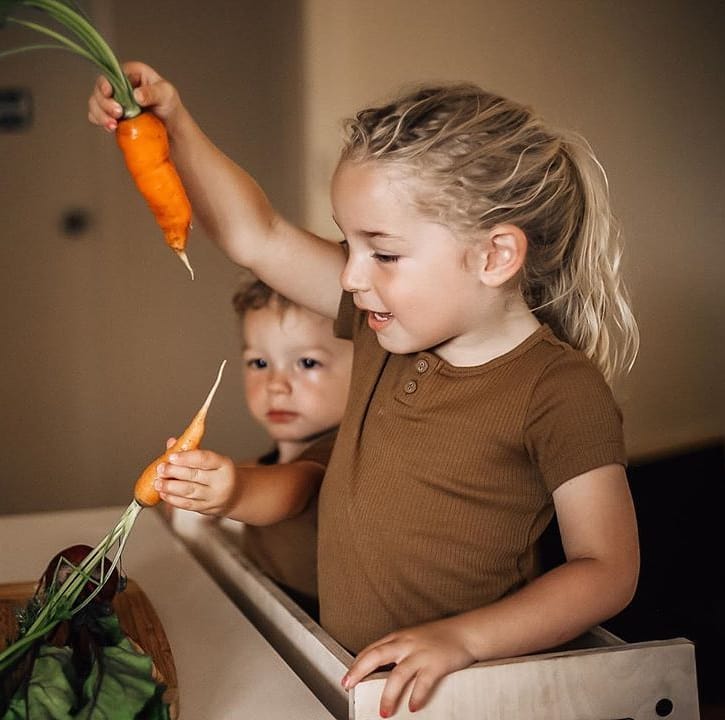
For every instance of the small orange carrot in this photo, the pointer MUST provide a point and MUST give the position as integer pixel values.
(145, 146)
(144, 492)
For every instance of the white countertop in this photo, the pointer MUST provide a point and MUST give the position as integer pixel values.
(225, 668)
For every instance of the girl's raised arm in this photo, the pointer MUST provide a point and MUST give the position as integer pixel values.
(228, 203)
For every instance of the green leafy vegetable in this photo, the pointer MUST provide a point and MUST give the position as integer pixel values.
(119, 685)
(48, 695)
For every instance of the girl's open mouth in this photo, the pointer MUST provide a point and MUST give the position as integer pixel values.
(378, 320)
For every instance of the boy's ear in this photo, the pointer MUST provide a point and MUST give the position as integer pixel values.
(503, 252)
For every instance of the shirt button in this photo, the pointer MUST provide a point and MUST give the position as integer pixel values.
(410, 387)
(422, 365)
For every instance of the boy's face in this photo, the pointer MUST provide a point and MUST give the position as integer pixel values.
(296, 373)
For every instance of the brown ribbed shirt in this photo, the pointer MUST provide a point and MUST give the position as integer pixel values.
(440, 482)
(287, 550)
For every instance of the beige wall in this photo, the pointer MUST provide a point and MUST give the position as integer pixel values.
(641, 81)
(107, 347)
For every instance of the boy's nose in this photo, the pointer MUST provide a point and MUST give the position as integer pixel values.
(278, 382)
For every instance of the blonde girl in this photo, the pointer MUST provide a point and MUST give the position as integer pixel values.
(481, 287)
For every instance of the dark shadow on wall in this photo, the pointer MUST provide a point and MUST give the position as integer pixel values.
(680, 503)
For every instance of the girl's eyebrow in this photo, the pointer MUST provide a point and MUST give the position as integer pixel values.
(370, 234)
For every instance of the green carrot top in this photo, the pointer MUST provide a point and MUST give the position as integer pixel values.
(80, 37)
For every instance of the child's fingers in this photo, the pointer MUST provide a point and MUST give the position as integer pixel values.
(398, 679)
(382, 653)
(139, 73)
(423, 686)
(197, 459)
(159, 95)
(103, 88)
(178, 501)
(186, 473)
(367, 661)
(103, 110)
(180, 488)
(151, 90)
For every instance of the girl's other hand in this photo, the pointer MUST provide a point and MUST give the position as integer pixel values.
(423, 655)
(152, 91)
(198, 480)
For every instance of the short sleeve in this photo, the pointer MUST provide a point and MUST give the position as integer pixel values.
(344, 323)
(319, 452)
(573, 423)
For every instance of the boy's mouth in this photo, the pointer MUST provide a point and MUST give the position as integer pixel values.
(281, 416)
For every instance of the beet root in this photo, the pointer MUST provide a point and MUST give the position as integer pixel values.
(60, 567)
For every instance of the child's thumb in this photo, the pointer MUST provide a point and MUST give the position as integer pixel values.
(141, 96)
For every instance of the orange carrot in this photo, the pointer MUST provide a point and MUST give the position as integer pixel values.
(142, 136)
(144, 492)
(145, 146)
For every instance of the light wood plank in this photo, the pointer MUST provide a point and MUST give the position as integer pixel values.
(613, 683)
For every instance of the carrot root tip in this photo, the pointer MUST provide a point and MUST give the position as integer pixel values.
(185, 260)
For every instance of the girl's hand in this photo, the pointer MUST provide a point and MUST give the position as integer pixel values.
(422, 656)
(151, 91)
(198, 480)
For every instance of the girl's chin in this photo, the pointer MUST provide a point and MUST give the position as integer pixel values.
(399, 346)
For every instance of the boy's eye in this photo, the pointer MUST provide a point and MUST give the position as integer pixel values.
(257, 363)
(386, 258)
(308, 363)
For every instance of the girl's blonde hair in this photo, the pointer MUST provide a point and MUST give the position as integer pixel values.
(480, 160)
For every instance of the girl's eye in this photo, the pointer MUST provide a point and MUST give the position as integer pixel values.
(257, 363)
(309, 363)
(386, 258)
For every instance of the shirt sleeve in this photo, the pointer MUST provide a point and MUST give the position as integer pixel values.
(574, 423)
(320, 451)
(344, 323)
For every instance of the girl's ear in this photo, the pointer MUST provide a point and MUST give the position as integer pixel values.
(503, 251)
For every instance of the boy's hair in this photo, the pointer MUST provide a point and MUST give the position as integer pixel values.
(483, 160)
(253, 294)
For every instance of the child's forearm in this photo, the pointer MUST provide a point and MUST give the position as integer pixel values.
(223, 195)
(268, 494)
(553, 609)
(238, 216)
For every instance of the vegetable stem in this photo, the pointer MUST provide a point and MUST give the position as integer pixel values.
(60, 603)
(91, 45)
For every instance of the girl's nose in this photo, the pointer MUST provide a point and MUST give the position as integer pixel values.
(352, 277)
